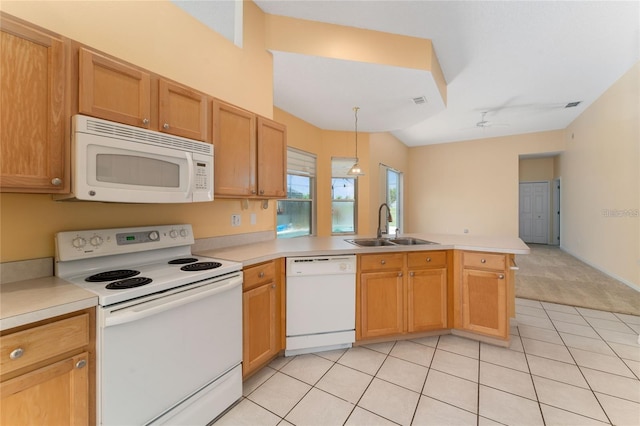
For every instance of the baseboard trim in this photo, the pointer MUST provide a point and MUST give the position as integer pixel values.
(607, 273)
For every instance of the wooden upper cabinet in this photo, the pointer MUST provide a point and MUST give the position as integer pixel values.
(272, 158)
(120, 92)
(33, 109)
(234, 139)
(113, 91)
(182, 111)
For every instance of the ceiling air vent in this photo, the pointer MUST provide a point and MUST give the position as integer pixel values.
(420, 100)
(573, 104)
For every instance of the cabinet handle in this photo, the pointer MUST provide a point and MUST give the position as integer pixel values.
(428, 259)
(16, 353)
(145, 121)
(165, 126)
(382, 262)
(262, 192)
(253, 191)
(399, 274)
(483, 260)
(273, 286)
(412, 274)
(56, 181)
(261, 275)
(501, 277)
(81, 363)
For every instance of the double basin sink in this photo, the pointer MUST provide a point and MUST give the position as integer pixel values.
(378, 242)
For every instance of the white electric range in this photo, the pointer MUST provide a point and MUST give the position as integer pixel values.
(169, 324)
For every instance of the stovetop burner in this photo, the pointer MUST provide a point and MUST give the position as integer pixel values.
(129, 283)
(118, 274)
(201, 266)
(183, 260)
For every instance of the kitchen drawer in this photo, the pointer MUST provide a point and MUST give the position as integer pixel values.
(478, 260)
(259, 274)
(427, 259)
(380, 262)
(37, 344)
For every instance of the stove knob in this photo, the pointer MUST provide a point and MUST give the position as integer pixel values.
(154, 236)
(96, 240)
(183, 233)
(173, 233)
(78, 242)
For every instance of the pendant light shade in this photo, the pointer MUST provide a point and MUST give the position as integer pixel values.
(356, 170)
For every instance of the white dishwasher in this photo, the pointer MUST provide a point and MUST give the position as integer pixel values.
(321, 303)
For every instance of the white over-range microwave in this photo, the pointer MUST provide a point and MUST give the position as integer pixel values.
(113, 162)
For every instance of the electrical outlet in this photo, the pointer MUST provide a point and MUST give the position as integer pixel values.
(235, 220)
(466, 231)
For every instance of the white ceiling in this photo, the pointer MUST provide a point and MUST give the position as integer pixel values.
(520, 61)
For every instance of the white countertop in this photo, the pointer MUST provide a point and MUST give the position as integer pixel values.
(250, 254)
(24, 302)
(28, 301)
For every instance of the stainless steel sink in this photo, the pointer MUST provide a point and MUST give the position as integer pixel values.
(371, 242)
(377, 242)
(410, 241)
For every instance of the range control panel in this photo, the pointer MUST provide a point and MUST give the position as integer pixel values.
(85, 244)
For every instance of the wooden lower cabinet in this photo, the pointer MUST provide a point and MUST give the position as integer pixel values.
(399, 293)
(262, 307)
(484, 294)
(427, 299)
(48, 372)
(53, 395)
(381, 303)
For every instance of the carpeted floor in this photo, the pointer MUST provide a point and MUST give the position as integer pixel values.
(549, 274)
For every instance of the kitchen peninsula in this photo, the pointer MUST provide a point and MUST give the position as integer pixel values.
(462, 285)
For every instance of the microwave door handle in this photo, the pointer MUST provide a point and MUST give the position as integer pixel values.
(190, 172)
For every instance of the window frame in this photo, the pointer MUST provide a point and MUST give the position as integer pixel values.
(293, 170)
(336, 162)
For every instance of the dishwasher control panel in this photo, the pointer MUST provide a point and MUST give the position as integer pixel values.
(321, 265)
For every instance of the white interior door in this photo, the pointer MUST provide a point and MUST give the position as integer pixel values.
(534, 212)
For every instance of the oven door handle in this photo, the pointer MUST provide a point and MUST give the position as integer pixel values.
(139, 312)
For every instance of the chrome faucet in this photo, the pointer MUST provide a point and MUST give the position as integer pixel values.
(389, 219)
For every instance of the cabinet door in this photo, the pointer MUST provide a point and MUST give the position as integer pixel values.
(427, 299)
(272, 158)
(381, 304)
(113, 91)
(484, 302)
(33, 110)
(260, 326)
(182, 111)
(57, 394)
(234, 138)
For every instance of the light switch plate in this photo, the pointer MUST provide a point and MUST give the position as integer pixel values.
(235, 220)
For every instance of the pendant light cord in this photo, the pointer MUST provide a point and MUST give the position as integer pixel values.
(355, 109)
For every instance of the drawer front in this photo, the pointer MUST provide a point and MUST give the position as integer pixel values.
(27, 347)
(383, 261)
(259, 274)
(495, 262)
(427, 259)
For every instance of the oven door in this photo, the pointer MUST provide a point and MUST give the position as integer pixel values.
(157, 354)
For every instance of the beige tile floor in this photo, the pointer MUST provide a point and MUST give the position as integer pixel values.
(565, 366)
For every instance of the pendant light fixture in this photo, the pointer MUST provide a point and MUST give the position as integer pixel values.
(356, 170)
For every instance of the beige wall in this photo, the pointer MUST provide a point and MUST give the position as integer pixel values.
(471, 185)
(327, 144)
(162, 38)
(536, 169)
(600, 172)
(386, 149)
